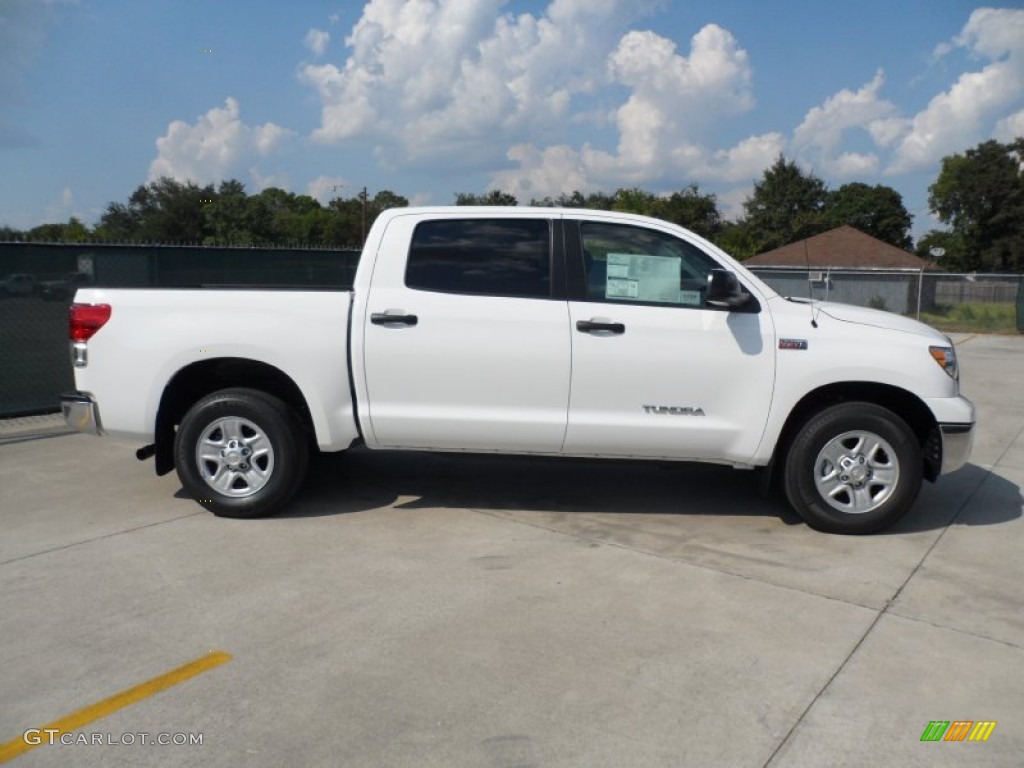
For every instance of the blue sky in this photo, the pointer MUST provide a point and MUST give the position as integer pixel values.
(433, 97)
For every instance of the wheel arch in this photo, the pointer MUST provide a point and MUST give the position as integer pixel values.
(903, 403)
(199, 379)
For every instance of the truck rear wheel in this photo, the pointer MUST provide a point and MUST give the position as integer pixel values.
(241, 453)
(854, 468)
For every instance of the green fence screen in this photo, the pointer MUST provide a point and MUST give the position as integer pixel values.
(38, 281)
(1020, 304)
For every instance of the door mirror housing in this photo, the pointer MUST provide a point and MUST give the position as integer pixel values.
(725, 291)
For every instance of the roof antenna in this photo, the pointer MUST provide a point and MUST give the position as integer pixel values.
(810, 285)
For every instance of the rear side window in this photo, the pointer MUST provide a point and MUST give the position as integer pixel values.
(486, 257)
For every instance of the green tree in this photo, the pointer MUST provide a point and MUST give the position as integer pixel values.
(945, 248)
(877, 210)
(227, 217)
(46, 233)
(74, 231)
(787, 205)
(117, 224)
(163, 211)
(737, 238)
(349, 219)
(344, 223)
(382, 201)
(494, 197)
(692, 209)
(600, 201)
(634, 200)
(980, 195)
(688, 208)
(278, 217)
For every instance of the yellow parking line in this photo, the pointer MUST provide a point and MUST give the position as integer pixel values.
(76, 720)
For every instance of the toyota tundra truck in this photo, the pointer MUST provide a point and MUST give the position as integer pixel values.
(554, 332)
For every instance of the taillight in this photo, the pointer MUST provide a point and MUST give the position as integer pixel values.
(85, 319)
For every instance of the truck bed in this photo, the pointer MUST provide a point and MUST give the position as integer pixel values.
(155, 334)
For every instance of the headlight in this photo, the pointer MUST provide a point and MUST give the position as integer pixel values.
(946, 357)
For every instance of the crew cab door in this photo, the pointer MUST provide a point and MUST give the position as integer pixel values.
(656, 372)
(466, 335)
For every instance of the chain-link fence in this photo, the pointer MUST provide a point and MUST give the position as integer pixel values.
(37, 283)
(953, 302)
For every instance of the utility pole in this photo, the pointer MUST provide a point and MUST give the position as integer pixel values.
(364, 215)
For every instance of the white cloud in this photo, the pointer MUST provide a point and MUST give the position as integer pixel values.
(326, 188)
(958, 117)
(493, 78)
(261, 181)
(542, 172)
(731, 203)
(563, 169)
(820, 136)
(316, 41)
(215, 147)
(575, 97)
(744, 162)
(503, 87)
(674, 101)
(1010, 128)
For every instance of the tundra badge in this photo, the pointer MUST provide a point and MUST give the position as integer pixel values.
(673, 410)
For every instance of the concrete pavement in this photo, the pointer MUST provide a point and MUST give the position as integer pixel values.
(426, 610)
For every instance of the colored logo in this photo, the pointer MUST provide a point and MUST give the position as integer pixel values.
(792, 343)
(958, 730)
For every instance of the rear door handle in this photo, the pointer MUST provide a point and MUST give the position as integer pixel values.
(592, 326)
(387, 318)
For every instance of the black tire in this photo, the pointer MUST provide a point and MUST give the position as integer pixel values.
(853, 468)
(253, 455)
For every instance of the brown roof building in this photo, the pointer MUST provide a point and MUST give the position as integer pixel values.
(843, 248)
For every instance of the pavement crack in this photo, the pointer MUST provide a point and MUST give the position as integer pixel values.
(959, 631)
(789, 734)
(98, 538)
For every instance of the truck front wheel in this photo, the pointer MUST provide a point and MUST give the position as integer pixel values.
(240, 453)
(853, 468)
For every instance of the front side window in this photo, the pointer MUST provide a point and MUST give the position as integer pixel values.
(487, 257)
(623, 263)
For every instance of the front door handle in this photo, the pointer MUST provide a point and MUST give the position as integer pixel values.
(387, 318)
(592, 326)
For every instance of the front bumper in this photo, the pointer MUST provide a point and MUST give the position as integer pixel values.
(81, 412)
(949, 445)
(957, 441)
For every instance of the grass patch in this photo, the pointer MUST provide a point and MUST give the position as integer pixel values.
(973, 317)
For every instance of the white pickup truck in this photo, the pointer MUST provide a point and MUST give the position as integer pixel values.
(557, 332)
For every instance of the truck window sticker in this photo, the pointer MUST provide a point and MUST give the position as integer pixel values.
(644, 277)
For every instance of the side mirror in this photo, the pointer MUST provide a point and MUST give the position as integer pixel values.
(724, 290)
